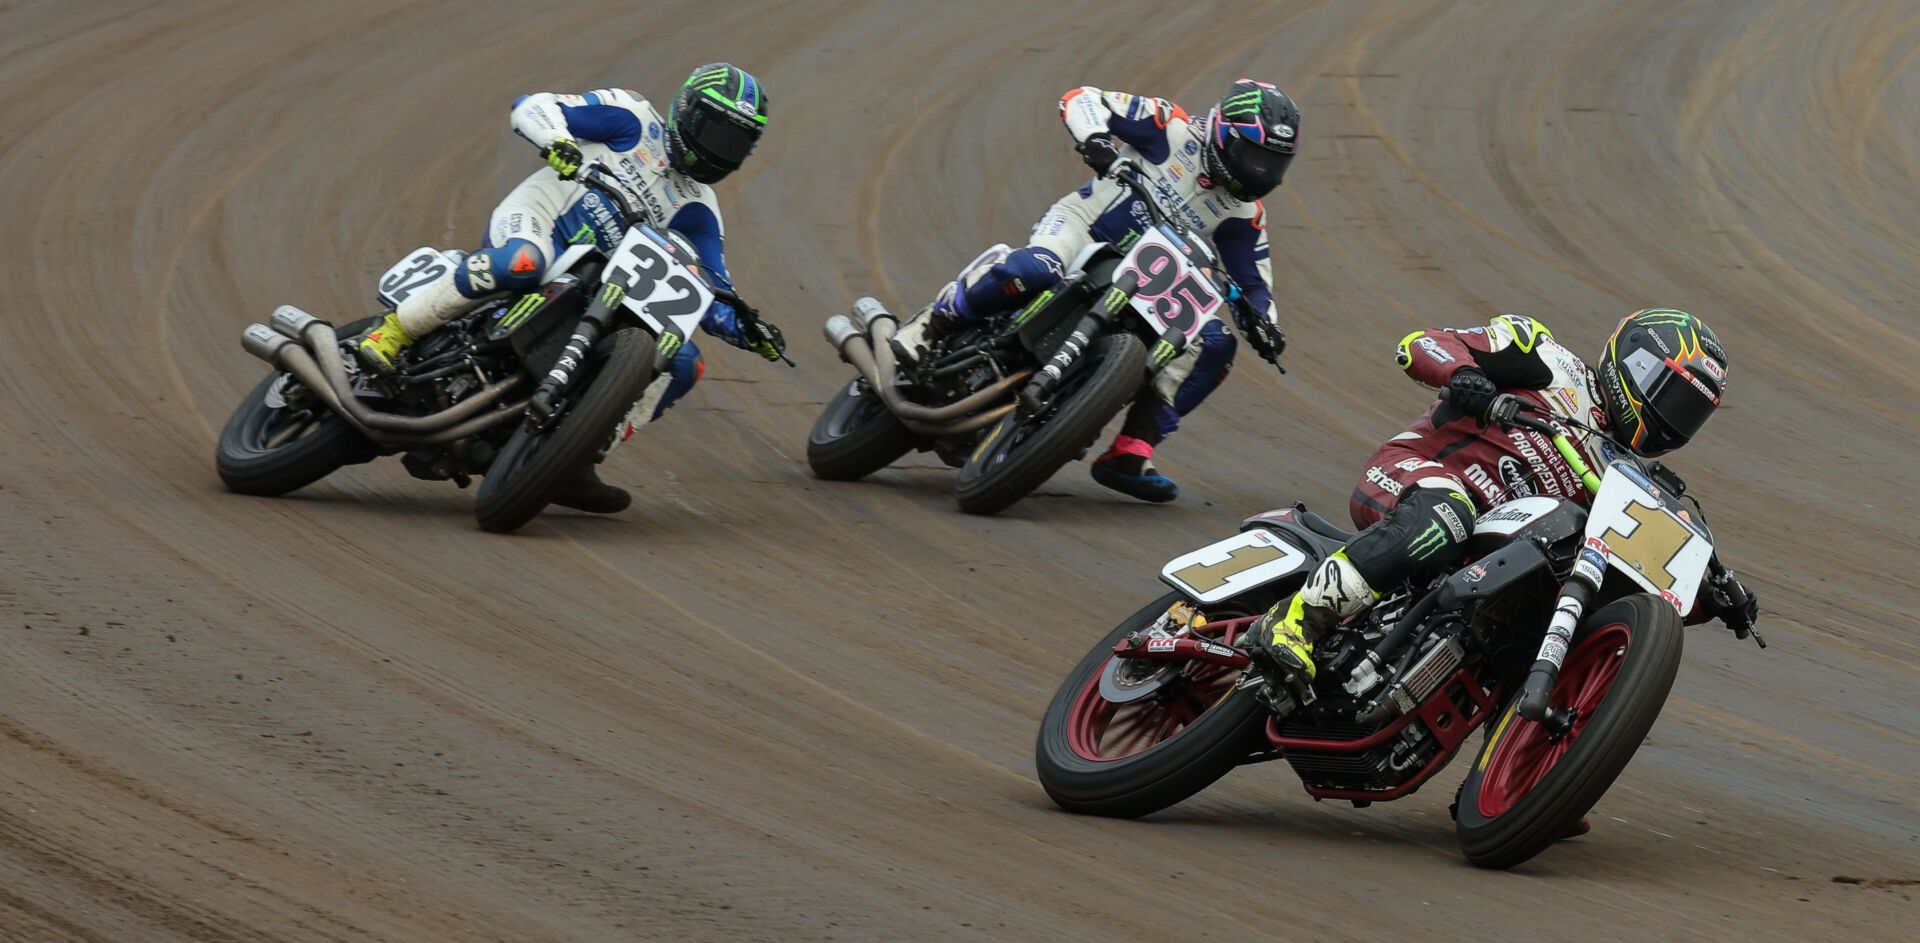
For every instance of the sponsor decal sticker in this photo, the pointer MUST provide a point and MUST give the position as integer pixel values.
(1384, 481)
(1434, 350)
(1160, 644)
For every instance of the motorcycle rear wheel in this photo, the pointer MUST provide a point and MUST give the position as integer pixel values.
(267, 451)
(1021, 452)
(532, 466)
(855, 436)
(1528, 789)
(1130, 759)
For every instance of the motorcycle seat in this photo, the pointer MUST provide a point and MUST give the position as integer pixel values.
(1324, 527)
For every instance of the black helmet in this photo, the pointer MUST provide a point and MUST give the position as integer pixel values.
(716, 119)
(1661, 376)
(1250, 139)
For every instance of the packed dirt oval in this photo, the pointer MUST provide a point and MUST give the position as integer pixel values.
(758, 705)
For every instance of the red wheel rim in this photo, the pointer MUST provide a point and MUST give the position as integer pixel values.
(1524, 753)
(1103, 731)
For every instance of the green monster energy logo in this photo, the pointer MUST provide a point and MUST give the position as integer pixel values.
(521, 311)
(585, 235)
(1127, 241)
(1162, 353)
(1030, 310)
(1115, 300)
(669, 344)
(1428, 542)
(1661, 316)
(610, 294)
(1242, 104)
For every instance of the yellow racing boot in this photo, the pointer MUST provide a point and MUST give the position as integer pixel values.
(1281, 642)
(380, 347)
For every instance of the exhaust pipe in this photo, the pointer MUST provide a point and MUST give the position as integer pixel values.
(312, 354)
(865, 347)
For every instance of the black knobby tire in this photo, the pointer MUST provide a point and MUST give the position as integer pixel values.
(856, 435)
(1012, 459)
(1508, 811)
(1185, 761)
(532, 467)
(270, 451)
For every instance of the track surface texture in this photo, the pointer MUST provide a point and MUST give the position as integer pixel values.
(761, 707)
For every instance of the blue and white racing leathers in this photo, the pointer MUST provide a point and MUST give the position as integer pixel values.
(545, 214)
(1166, 143)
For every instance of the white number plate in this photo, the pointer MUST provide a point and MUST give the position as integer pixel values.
(1233, 566)
(1649, 536)
(411, 273)
(662, 292)
(1172, 295)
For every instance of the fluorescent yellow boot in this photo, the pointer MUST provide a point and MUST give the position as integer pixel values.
(381, 346)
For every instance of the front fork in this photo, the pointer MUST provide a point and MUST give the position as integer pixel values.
(1589, 569)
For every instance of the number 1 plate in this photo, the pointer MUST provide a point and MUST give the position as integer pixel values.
(1233, 566)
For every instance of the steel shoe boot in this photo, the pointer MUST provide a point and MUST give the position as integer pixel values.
(1282, 642)
(584, 491)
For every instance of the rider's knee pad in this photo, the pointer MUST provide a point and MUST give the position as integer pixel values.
(1025, 272)
(1423, 534)
(516, 266)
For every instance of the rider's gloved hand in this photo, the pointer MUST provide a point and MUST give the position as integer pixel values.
(1471, 392)
(764, 339)
(564, 157)
(1736, 605)
(1266, 338)
(1099, 152)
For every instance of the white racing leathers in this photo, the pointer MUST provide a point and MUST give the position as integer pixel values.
(545, 214)
(1166, 143)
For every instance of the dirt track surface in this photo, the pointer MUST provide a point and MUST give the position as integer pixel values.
(757, 706)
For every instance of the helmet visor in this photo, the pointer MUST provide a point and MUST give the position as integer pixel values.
(715, 135)
(1678, 401)
(1255, 169)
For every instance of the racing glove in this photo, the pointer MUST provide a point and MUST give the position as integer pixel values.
(1736, 605)
(1265, 338)
(1471, 392)
(564, 157)
(763, 339)
(1099, 152)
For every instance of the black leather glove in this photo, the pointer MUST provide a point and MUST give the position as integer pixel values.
(1733, 603)
(1266, 339)
(1471, 392)
(1099, 152)
(564, 157)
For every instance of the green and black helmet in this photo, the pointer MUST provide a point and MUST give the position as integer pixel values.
(717, 117)
(1661, 375)
(1250, 138)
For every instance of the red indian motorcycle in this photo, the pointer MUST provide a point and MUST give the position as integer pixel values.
(1561, 627)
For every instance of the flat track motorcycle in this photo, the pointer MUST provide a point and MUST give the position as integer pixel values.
(582, 348)
(1010, 400)
(1561, 628)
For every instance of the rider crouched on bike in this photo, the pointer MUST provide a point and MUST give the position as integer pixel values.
(1658, 380)
(714, 121)
(1213, 173)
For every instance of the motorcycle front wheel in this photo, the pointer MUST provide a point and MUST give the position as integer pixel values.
(1022, 451)
(534, 464)
(1529, 785)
